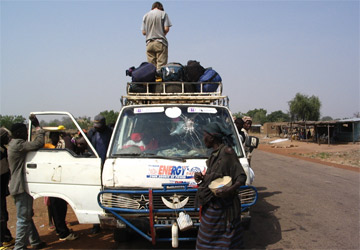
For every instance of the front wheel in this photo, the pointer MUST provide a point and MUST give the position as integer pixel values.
(245, 222)
(246, 219)
(121, 235)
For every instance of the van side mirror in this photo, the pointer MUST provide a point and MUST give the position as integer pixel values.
(252, 142)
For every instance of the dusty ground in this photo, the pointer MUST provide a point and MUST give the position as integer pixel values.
(345, 156)
(103, 240)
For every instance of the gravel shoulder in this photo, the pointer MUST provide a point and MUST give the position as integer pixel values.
(345, 156)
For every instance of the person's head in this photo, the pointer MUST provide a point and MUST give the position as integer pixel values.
(19, 131)
(5, 136)
(54, 137)
(99, 122)
(157, 5)
(247, 122)
(215, 134)
(239, 123)
(81, 144)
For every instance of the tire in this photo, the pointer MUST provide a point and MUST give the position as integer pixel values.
(245, 222)
(121, 235)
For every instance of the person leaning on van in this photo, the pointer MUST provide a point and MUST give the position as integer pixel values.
(18, 147)
(155, 25)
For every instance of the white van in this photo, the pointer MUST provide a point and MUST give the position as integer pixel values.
(147, 178)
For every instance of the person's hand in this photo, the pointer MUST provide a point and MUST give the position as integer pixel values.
(198, 176)
(224, 192)
(34, 121)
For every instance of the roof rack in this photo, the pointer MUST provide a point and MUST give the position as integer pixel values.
(172, 92)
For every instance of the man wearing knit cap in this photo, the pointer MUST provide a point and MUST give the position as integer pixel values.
(18, 148)
(99, 137)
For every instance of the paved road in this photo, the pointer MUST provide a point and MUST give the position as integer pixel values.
(302, 205)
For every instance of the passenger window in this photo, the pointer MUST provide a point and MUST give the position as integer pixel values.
(62, 133)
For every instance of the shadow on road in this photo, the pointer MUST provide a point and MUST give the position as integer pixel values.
(135, 241)
(265, 228)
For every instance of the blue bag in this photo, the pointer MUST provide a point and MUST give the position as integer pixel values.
(172, 72)
(210, 75)
(144, 73)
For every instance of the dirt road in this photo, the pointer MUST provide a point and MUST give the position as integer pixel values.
(303, 205)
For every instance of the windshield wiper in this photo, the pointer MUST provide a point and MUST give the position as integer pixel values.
(175, 158)
(128, 154)
(144, 155)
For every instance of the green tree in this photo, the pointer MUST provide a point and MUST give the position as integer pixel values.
(258, 116)
(305, 108)
(110, 116)
(84, 122)
(8, 120)
(65, 121)
(326, 118)
(238, 114)
(278, 116)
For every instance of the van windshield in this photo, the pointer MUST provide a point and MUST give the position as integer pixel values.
(168, 131)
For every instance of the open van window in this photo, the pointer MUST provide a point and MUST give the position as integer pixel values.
(172, 131)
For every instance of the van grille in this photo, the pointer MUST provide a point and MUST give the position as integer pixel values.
(141, 201)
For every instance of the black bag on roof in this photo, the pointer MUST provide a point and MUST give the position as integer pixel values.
(193, 70)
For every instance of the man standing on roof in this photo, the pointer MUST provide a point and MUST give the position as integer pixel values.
(155, 25)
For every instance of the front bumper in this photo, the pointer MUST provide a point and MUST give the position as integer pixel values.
(159, 208)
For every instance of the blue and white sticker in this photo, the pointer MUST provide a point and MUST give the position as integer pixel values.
(202, 110)
(144, 110)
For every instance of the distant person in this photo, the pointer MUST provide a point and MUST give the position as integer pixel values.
(18, 148)
(240, 125)
(6, 238)
(246, 127)
(155, 25)
(81, 146)
(99, 137)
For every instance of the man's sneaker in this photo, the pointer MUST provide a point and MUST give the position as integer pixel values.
(41, 245)
(8, 243)
(95, 229)
(6, 248)
(71, 236)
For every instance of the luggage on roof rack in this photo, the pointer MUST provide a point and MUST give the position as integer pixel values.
(182, 96)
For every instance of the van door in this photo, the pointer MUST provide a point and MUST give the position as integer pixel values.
(63, 173)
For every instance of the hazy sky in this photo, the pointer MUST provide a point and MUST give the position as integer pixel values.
(72, 55)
